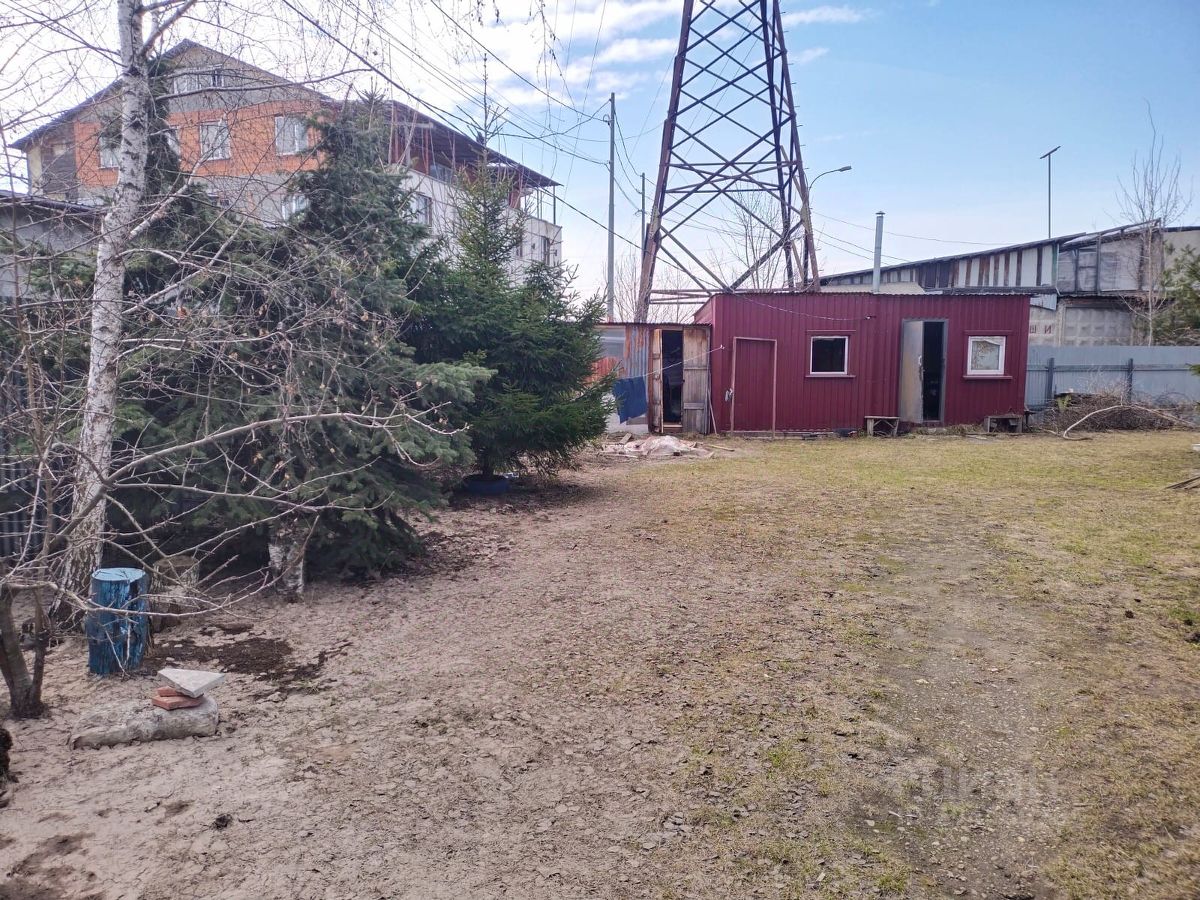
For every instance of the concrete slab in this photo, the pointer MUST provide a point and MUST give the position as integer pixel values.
(191, 682)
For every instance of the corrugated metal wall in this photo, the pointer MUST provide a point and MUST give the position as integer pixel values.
(626, 347)
(872, 322)
(1154, 374)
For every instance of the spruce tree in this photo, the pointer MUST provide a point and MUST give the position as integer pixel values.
(522, 322)
(306, 317)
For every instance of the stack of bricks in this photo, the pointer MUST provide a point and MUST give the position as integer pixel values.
(184, 688)
(169, 698)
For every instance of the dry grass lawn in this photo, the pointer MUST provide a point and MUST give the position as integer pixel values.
(1063, 565)
(920, 667)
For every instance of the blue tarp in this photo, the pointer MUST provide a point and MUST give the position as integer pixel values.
(630, 394)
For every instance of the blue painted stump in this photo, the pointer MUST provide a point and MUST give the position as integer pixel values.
(117, 640)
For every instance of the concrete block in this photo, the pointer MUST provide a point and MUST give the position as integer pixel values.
(191, 682)
(129, 721)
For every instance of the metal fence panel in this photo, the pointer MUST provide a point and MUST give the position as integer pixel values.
(1158, 374)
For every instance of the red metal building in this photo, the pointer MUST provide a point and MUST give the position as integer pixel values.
(820, 362)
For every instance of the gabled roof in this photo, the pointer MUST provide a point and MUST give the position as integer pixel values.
(176, 51)
(443, 134)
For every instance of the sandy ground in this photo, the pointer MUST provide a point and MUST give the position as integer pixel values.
(702, 679)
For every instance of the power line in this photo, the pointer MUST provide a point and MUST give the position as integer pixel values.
(454, 83)
(449, 18)
(915, 237)
(597, 222)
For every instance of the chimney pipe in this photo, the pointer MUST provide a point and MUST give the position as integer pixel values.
(878, 252)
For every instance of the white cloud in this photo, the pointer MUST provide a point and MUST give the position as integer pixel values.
(808, 55)
(825, 15)
(636, 50)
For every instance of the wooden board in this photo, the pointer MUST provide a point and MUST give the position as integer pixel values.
(654, 383)
(695, 380)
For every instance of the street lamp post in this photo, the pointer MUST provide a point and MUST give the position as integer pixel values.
(810, 187)
(830, 172)
(1046, 156)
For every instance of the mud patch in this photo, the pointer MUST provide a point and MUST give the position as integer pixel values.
(24, 889)
(41, 874)
(266, 658)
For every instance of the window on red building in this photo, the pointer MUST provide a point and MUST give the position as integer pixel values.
(829, 355)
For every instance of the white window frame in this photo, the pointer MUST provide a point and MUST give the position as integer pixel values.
(845, 339)
(226, 146)
(199, 80)
(110, 151)
(422, 208)
(1000, 339)
(293, 204)
(295, 128)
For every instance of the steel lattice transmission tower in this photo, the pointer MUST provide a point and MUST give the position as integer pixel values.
(730, 177)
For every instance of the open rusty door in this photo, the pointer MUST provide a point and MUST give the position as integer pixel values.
(695, 380)
(654, 383)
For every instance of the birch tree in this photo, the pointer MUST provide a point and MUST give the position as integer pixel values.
(197, 380)
(1152, 195)
(100, 395)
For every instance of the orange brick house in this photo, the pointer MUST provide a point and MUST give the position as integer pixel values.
(244, 133)
(239, 129)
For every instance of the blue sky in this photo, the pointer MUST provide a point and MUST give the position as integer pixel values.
(942, 109)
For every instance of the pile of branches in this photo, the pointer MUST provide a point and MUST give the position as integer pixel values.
(1114, 412)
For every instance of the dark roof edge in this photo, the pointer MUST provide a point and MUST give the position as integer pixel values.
(12, 198)
(1007, 248)
(1081, 237)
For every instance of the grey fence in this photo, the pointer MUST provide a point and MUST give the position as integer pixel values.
(1157, 374)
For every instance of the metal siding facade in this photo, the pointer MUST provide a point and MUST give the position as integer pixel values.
(873, 324)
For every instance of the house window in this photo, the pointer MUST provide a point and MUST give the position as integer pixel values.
(828, 355)
(293, 204)
(546, 244)
(985, 355)
(214, 140)
(110, 151)
(421, 207)
(291, 135)
(199, 80)
(441, 172)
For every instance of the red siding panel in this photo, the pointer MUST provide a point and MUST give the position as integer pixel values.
(807, 402)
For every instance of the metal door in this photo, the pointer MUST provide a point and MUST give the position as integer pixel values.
(752, 388)
(912, 342)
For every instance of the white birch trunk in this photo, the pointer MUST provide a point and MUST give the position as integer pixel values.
(100, 399)
(286, 546)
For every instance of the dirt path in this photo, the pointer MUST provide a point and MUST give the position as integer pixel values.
(719, 679)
